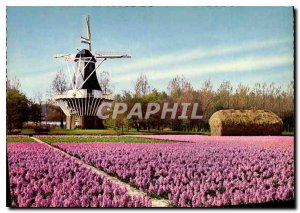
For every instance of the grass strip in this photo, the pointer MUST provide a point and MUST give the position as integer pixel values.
(50, 140)
(19, 139)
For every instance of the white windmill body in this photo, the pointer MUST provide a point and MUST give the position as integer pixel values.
(82, 102)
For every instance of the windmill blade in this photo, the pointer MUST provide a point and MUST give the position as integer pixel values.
(112, 55)
(60, 55)
(67, 57)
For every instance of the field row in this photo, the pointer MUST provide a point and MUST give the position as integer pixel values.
(200, 172)
(42, 177)
(53, 139)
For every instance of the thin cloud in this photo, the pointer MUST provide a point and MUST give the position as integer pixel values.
(243, 64)
(198, 53)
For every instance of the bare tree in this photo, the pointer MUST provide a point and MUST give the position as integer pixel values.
(59, 86)
(59, 83)
(104, 80)
(174, 87)
(242, 96)
(14, 84)
(179, 86)
(207, 96)
(37, 98)
(142, 86)
(36, 108)
(224, 93)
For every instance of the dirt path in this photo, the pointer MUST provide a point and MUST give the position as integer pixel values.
(131, 190)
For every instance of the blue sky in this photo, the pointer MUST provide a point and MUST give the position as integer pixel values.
(241, 44)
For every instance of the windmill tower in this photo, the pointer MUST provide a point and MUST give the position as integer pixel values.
(81, 104)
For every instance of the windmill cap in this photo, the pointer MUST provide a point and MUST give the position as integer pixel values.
(85, 54)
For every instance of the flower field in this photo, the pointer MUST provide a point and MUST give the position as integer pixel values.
(42, 177)
(199, 174)
(195, 171)
(267, 140)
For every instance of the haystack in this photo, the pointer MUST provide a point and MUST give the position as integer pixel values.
(245, 122)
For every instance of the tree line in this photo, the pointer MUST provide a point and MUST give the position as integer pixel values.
(21, 109)
(261, 96)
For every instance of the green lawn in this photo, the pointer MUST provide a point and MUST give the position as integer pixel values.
(19, 139)
(83, 132)
(119, 132)
(108, 132)
(288, 133)
(73, 132)
(101, 139)
(170, 132)
(27, 131)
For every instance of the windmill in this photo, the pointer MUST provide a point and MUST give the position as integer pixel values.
(81, 104)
